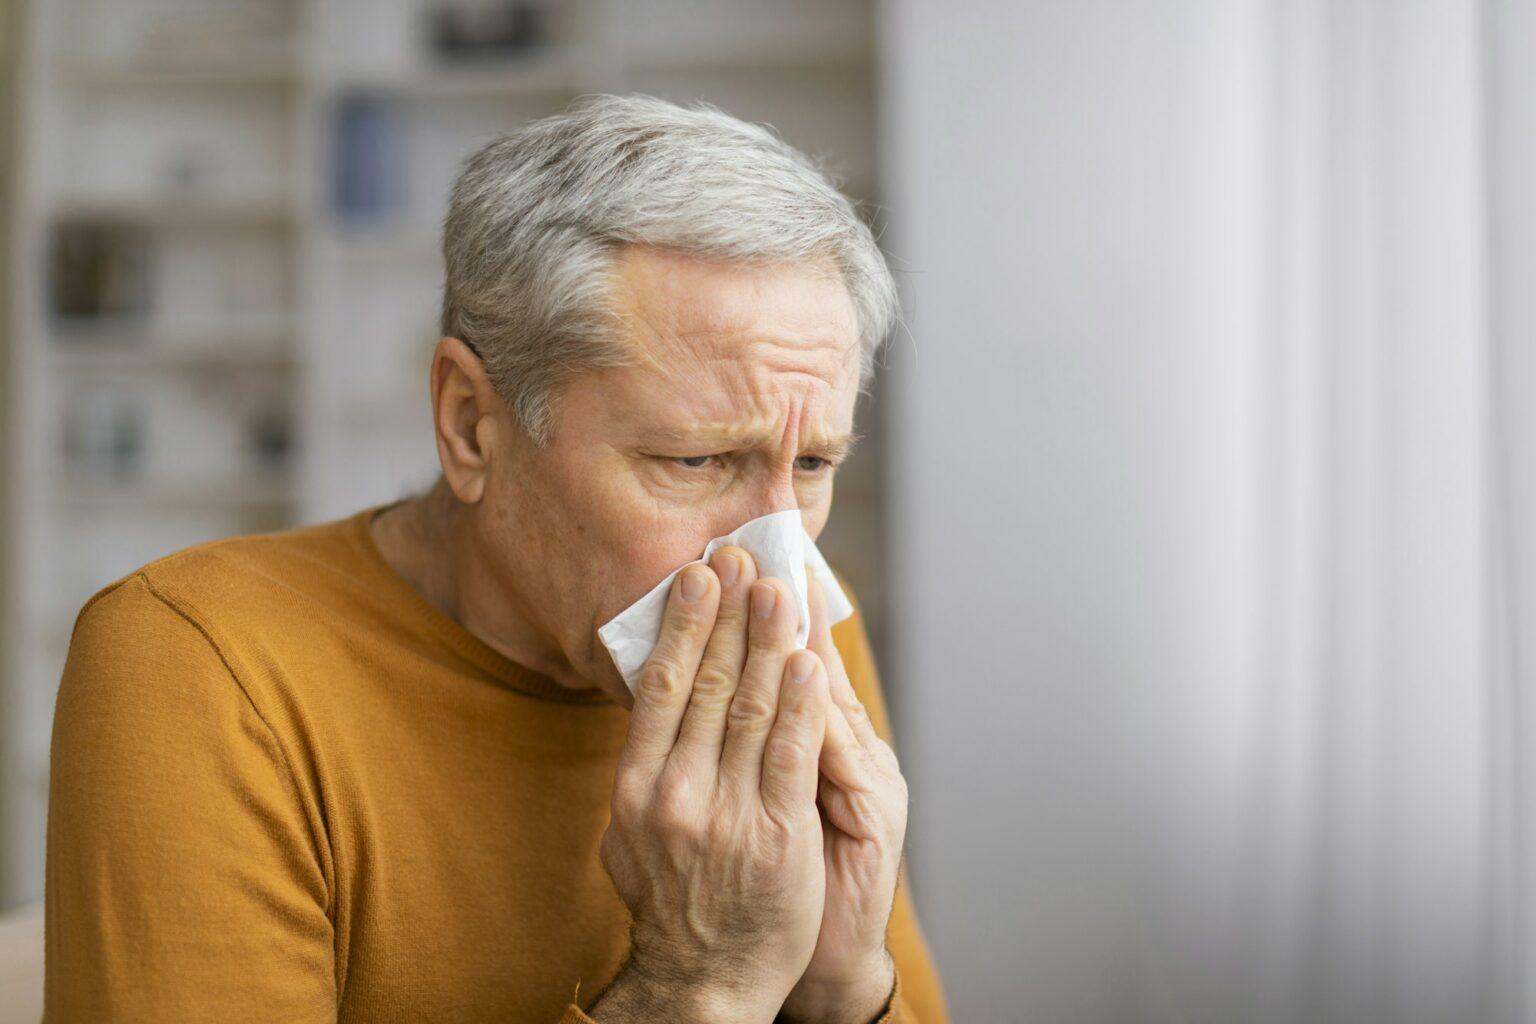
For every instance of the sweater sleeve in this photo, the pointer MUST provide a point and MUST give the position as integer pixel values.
(184, 877)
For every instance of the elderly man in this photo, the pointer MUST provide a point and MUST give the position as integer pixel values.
(383, 769)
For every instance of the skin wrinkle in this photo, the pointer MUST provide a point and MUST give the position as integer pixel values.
(534, 548)
(768, 379)
(743, 434)
(537, 215)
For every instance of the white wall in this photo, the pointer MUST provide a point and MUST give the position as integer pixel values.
(1073, 211)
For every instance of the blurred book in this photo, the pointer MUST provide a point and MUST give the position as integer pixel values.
(104, 431)
(99, 270)
(459, 30)
(368, 159)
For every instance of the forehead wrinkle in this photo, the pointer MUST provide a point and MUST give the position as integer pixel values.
(751, 296)
(688, 306)
(752, 377)
(710, 340)
(660, 346)
(756, 431)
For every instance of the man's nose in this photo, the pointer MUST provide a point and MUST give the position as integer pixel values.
(762, 498)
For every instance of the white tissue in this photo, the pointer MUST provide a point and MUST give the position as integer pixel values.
(782, 548)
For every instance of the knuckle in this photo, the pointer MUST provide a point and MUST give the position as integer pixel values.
(713, 683)
(782, 753)
(626, 808)
(660, 681)
(764, 638)
(720, 831)
(749, 711)
(674, 810)
(790, 820)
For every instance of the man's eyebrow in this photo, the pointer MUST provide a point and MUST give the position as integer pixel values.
(839, 448)
(740, 436)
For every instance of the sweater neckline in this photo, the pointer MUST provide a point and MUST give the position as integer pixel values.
(510, 673)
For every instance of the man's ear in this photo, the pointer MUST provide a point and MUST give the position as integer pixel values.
(466, 412)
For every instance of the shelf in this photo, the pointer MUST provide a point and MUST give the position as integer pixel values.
(190, 211)
(541, 75)
(254, 71)
(152, 495)
(117, 357)
(852, 59)
(92, 347)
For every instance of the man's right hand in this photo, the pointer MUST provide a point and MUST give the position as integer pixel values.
(715, 841)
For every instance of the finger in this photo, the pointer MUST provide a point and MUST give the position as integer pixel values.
(844, 761)
(820, 639)
(839, 685)
(853, 811)
(666, 678)
(789, 776)
(755, 705)
(702, 734)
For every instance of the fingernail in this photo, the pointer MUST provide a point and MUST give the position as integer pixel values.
(763, 599)
(801, 665)
(694, 584)
(727, 568)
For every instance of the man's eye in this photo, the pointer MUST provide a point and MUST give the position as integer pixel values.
(693, 461)
(812, 463)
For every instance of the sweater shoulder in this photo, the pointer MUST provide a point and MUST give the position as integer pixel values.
(259, 578)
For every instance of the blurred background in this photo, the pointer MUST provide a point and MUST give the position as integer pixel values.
(1196, 525)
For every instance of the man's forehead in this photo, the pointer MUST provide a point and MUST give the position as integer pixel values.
(740, 381)
(751, 431)
(673, 301)
(741, 426)
(744, 428)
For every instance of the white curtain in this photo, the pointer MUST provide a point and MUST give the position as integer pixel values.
(1380, 868)
(1252, 289)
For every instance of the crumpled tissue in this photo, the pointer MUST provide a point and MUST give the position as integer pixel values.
(782, 548)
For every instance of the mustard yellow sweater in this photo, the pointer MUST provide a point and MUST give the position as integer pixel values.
(285, 787)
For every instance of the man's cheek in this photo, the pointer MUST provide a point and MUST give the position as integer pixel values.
(649, 557)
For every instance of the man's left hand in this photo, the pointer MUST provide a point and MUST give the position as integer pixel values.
(863, 801)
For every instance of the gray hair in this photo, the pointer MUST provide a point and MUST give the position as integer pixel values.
(537, 216)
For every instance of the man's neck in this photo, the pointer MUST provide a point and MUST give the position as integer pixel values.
(424, 540)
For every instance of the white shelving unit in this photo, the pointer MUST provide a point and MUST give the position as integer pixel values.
(207, 131)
